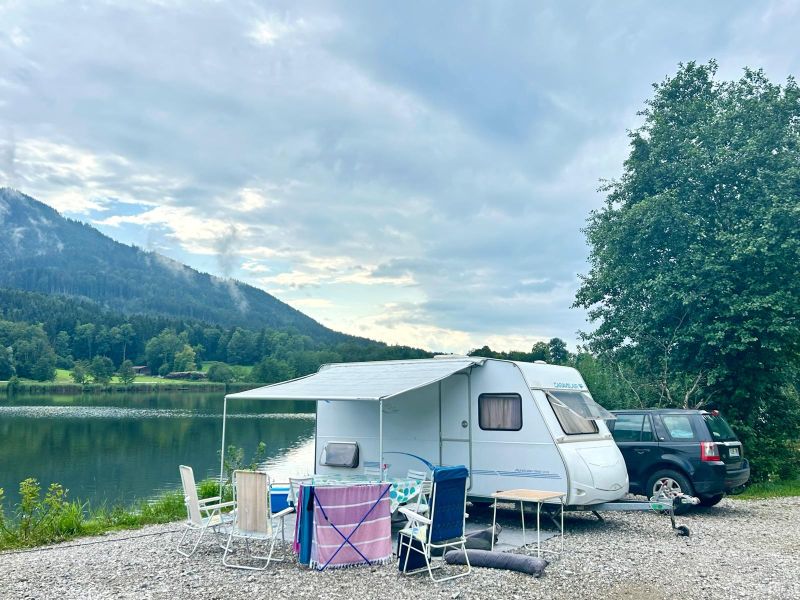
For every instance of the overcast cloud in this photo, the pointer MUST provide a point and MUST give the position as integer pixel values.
(413, 172)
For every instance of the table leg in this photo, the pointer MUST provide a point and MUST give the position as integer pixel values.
(522, 513)
(494, 522)
(562, 526)
(538, 531)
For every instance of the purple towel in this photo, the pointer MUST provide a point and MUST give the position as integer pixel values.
(346, 507)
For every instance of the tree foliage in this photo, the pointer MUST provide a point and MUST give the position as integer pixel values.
(101, 369)
(126, 373)
(695, 257)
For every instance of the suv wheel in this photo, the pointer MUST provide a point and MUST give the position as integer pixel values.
(671, 483)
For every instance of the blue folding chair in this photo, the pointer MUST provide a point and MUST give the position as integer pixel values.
(441, 530)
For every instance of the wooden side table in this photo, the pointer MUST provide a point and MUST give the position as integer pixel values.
(537, 496)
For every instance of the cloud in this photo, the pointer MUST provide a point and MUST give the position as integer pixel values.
(418, 175)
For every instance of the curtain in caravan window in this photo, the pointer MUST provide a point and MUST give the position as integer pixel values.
(500, 412)
(571, 422)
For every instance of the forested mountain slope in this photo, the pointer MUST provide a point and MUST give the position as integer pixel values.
(42, 251)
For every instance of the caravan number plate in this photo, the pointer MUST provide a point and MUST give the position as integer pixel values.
(733, 452)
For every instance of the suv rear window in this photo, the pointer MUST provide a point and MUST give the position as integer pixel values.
(719, 428)
(679, 427)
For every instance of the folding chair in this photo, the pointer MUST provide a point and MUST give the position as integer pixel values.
(254, 520)
(445, 527)
(201, 515)
(373, 473)
(424, 491)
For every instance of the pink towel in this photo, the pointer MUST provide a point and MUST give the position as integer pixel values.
(345, 508)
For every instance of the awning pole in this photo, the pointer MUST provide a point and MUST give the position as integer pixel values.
(380, 436)
(222, 450)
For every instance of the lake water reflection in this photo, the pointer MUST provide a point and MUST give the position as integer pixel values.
(120, 447)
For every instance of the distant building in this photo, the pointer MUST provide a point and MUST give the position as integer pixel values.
(142, 370)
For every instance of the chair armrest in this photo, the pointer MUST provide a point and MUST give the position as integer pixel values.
(415, 516)
(207, 500)
(286, 511)
(218, 506)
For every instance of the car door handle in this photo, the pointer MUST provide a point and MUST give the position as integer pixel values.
(642, 450)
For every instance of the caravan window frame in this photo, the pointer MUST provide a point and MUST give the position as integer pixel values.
(549, 395)
(355, 458)
(490, 395)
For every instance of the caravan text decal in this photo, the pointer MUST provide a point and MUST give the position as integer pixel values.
(568, 386)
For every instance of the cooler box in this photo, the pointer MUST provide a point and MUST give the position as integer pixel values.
(279, 497)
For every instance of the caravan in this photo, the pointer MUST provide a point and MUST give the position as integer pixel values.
(513, 424)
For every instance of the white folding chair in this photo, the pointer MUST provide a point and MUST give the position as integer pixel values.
(201, 514)
(423, 498)
(373, 473)
(294, 488)
(254, 520)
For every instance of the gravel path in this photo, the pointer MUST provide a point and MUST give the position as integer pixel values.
(739, 549)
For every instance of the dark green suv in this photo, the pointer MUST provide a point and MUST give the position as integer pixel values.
(674, 450)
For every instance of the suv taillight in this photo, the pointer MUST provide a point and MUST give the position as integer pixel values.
(709, 451)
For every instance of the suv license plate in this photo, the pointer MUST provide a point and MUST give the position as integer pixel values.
(733, 452)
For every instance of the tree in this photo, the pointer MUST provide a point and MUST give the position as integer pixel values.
(242, 347)
(80, 372)
(184, 360)
(271, 370)
(695, 257)
(160, 350)
(61, 344)
(6, 366)
(84, 340)
(32, 354)
(558, 351)
(220, 372)
(101, 369)
(540, 351)
(126, 373)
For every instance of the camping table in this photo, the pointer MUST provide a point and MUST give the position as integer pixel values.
(537, 496)
(402, 489)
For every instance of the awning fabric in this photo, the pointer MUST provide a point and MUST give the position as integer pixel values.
(361, 381)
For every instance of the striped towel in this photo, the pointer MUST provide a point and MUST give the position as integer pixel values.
(345, 507)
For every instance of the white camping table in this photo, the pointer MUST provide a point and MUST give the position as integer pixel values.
(537, 496)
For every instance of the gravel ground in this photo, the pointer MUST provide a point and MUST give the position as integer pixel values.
(739, 549)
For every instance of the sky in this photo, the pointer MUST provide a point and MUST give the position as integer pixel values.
(414, 172)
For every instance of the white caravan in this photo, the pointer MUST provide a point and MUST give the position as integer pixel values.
(513, 424)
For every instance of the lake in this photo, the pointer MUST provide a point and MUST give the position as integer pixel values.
(119, 447)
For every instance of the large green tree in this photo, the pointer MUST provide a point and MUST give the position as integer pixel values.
(695, 257)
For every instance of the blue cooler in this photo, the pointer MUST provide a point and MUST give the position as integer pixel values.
(279, 497)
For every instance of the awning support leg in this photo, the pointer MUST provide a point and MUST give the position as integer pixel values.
(222, 449)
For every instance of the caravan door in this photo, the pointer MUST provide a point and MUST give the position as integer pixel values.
(455, 431)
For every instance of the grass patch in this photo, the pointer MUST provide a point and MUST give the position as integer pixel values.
(38, 520)
(770, 489)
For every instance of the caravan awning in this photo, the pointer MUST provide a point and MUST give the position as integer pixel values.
(362, 381)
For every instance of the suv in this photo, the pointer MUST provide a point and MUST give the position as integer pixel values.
(689, 451)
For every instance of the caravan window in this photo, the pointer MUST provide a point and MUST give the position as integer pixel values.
(500, 412)
(340, 454)
(571, 422)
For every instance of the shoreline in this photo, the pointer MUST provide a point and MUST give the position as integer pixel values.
(57, 388)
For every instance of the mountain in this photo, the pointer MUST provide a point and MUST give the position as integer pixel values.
(41, 251)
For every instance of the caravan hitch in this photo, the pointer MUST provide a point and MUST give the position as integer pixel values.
(664, 502)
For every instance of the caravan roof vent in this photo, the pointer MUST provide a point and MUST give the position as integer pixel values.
(540, 362)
